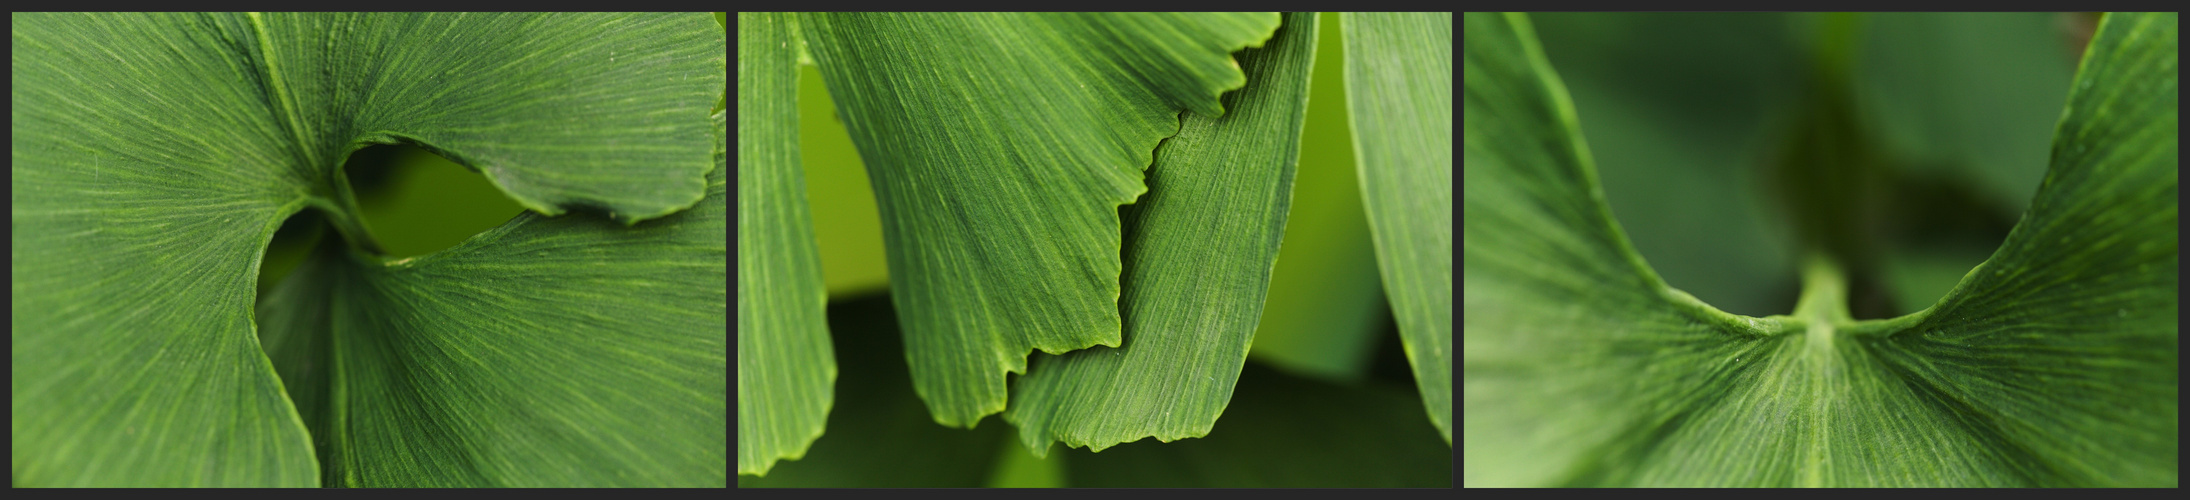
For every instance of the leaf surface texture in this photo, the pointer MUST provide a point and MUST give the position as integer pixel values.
(786, 368)
(154, 155)
(1000, 146)
(2052, 364)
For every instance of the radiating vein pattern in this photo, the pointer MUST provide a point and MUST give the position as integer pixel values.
(2063, 344)
(1198, 253)
(1000, 146)
(154, 155)
(786, 368)
(565, 344)
(2052, 364)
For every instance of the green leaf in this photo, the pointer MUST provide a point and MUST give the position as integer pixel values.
(785, 368)
(1399, 87)
(2052, 364)
(1198, 252)
(155, 154)
(565, 351)
(1000, 146)
(2063, 344)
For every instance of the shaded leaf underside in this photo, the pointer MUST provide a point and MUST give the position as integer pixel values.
(2052, 364)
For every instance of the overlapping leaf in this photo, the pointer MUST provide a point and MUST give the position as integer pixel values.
(154, 155)
(564, 351)
(1399, 89)
(1198, 252)
(2051, 365)
(786, 370)
(1000, 146)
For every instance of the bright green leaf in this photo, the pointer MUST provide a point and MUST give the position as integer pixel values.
(2052, 364)
(1198, 252)
(785, 368)
(1000, 146)
(1399, 88)
(155, 154)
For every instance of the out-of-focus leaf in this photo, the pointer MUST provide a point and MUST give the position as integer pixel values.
(880, 435)
(1325, 307)
(1000, 147)
(1399, 88)
(1973, 93)
(154, 155)
(2053, 364)
(1283, 431)
(1198, 252)
(786, 371)
(565, 351)
(1676, 104)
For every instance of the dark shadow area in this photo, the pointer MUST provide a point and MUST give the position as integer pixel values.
(417, 202)
(289, 247)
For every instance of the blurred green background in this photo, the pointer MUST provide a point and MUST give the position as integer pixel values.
(1688, 114)
(1326, 400)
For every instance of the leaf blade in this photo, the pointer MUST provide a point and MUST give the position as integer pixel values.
(1399, 87)
(1198, 252)
(786, 364)
(2065, 339)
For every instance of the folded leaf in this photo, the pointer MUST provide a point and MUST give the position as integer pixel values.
(1399, 88)
(786, 370)
(1000, 146)
(1198, 252)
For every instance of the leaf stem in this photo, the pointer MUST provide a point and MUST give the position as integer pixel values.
(344, 216)
(1824, 291)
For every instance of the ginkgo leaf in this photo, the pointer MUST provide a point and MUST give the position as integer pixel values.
(1000, 146)
(2052, 364)
(786, 369)
(1198, 252)
(1399, 89)
(564, 351)
(154, 155)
